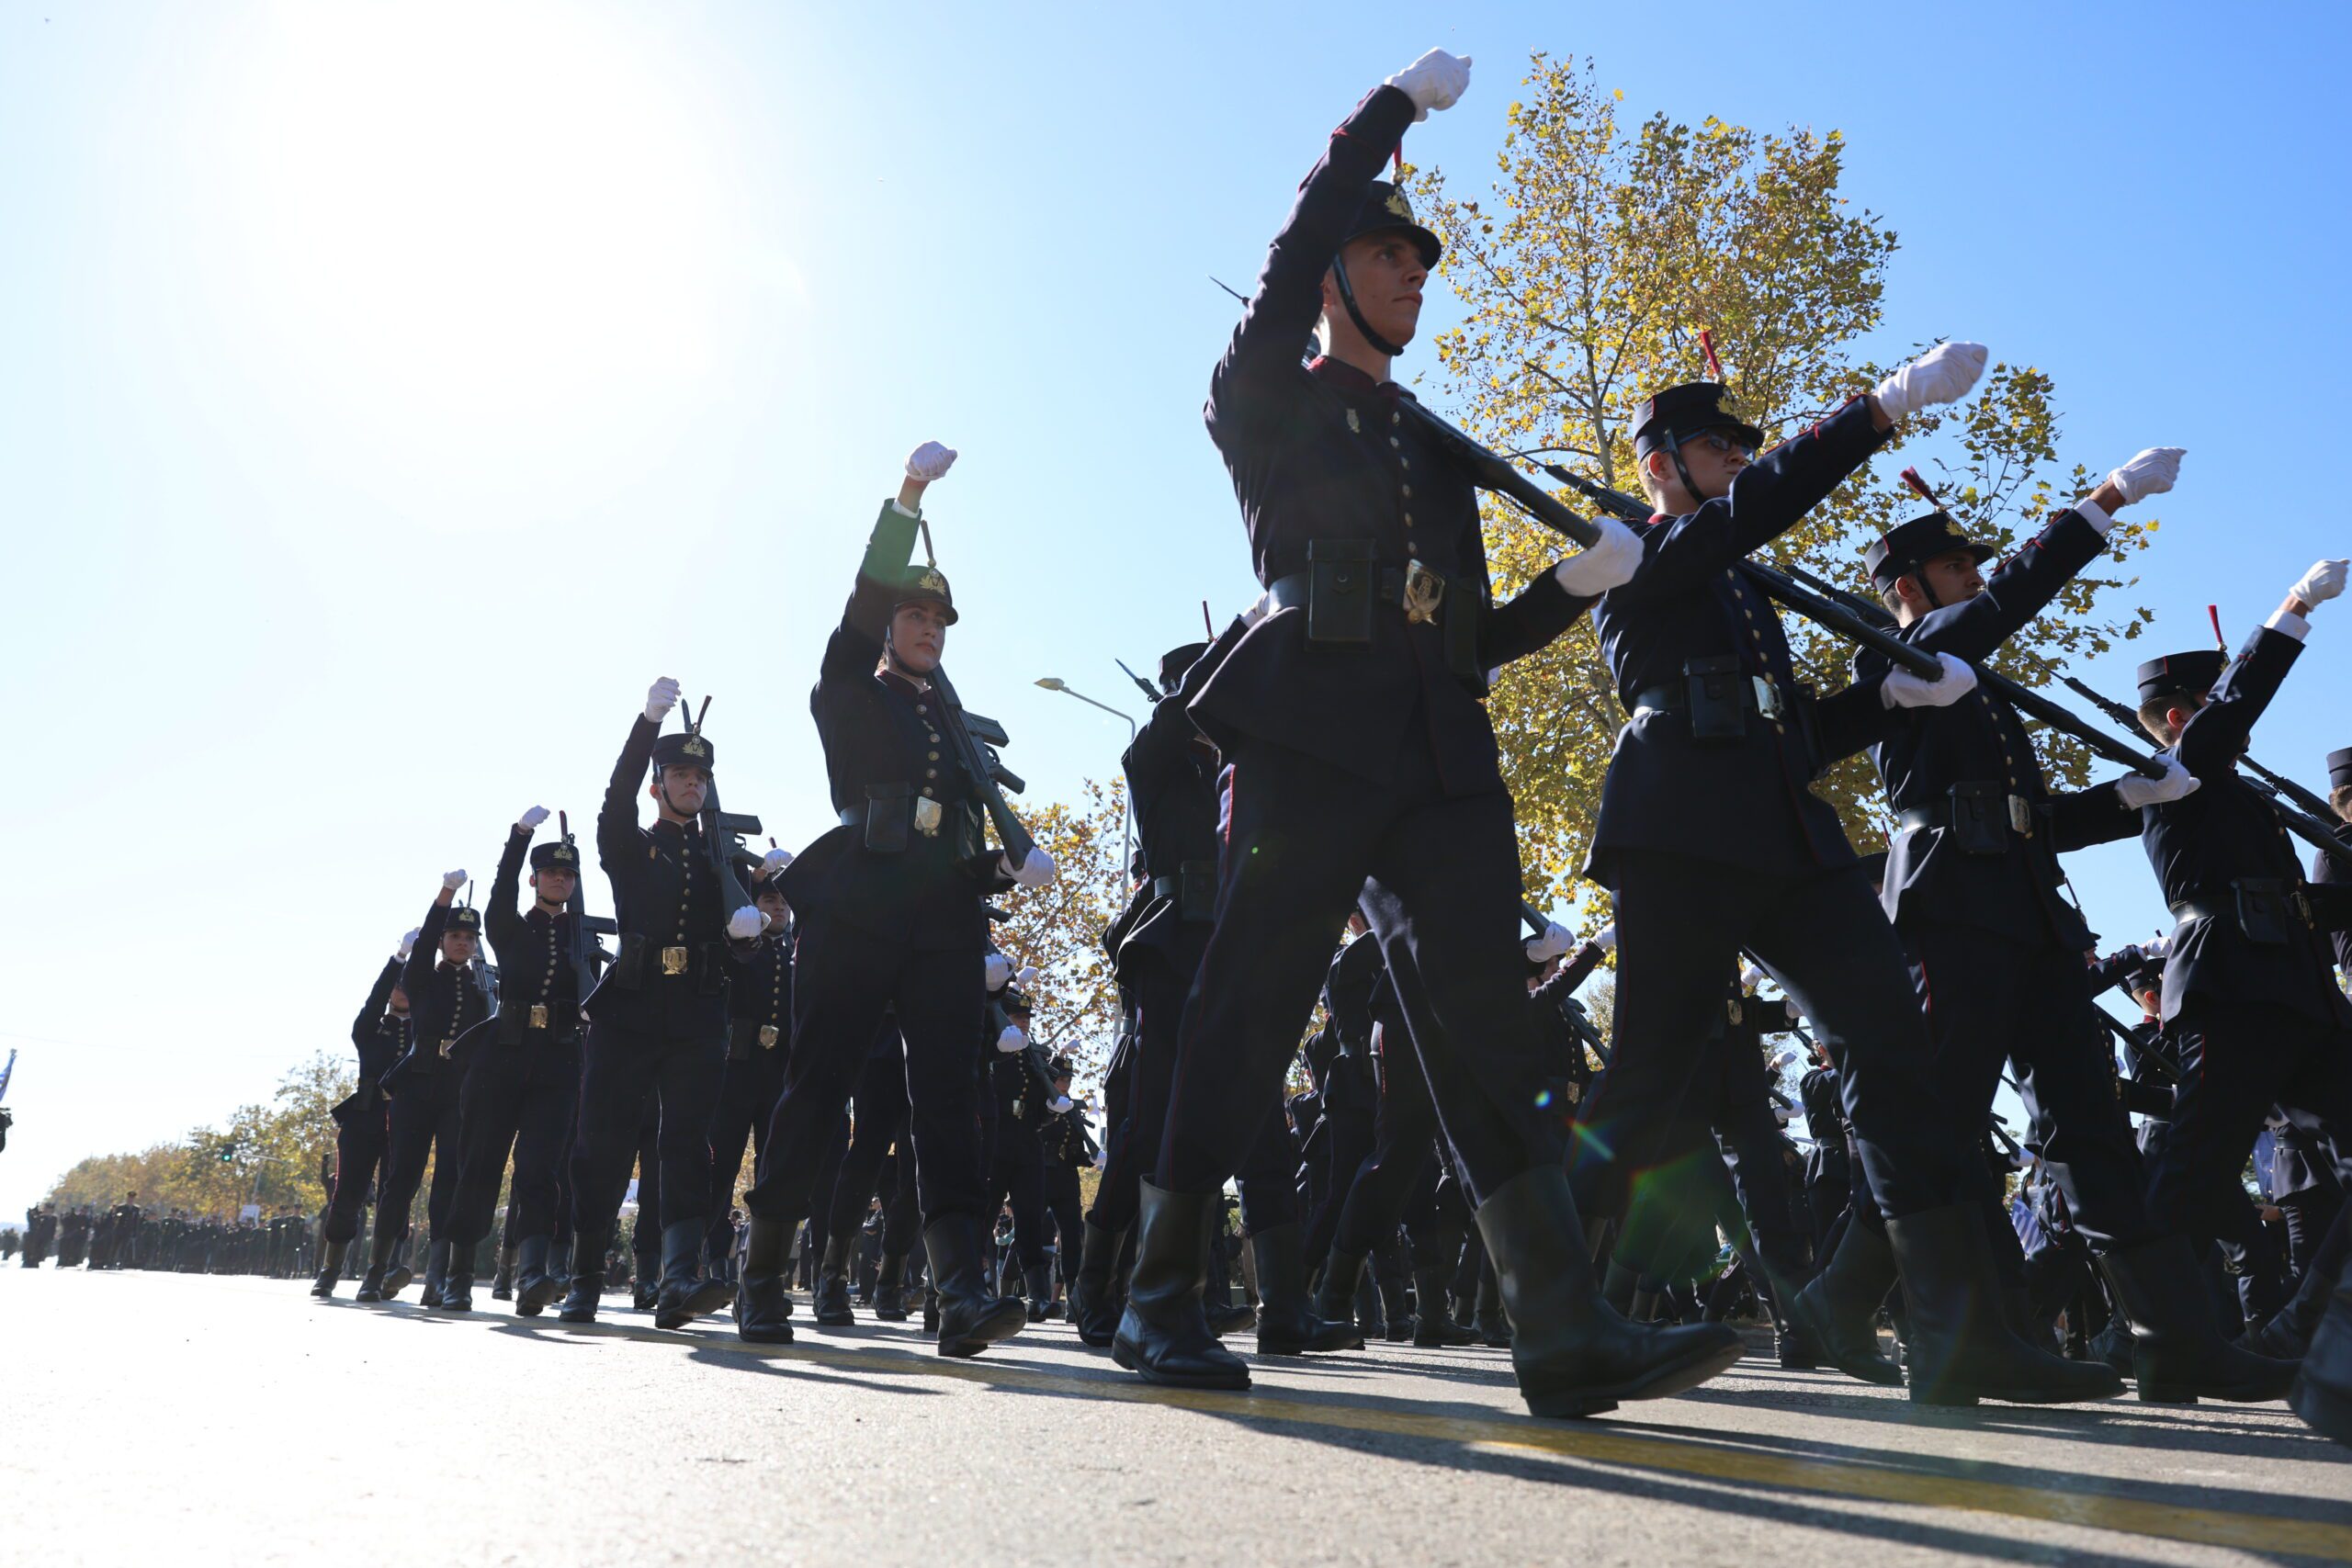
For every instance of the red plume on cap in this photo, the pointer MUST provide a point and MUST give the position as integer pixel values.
(1920, 487)
(2213, 612)
(1707, 347)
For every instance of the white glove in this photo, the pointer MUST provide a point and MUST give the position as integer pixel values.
(1942, 374)
(999, 969)
(2322, 582)
(660, 698)
(1780, 1060)
(1606, 939)
(1751, 977)
(452, 880)
(529, 821)
(2135, 792)
(1034, 872)
(929, 461)
(747, 922)
(773, 862)
(1258, 610)
(408, 943)
(2150, 473)
(1607, 562)
(2155, 947)
(1789, 1006)
(1058, 1104)
(1554, 942)
(1027, 975)
(1436, 81)
(1904, 690)
(1011, 1042)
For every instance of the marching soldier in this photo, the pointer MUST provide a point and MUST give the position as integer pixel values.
(759, 1037)
(380, 1035)
(523, 1081)
(448, 993)
(657, 1017)
(890, 919)
(1356, 747)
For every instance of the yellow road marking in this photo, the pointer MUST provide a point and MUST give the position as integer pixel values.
(1597, 1445)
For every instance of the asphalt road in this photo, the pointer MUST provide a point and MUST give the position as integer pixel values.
(174, 1418)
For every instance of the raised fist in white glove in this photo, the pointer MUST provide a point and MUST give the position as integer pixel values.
(452, 880)
(1554, 942)
(1789, 1006)
(2150, 473)
(529, 821)
(1607, 562)
(1011, 1042)
(1750, 976)
(1904, 690)
(2135, 791)
(1605, 938)
(2322, 582)
(1436, 81)
(930, 462)
(747, 922)
(660, 698)
(1027, 976)
(999, 970)
(1034, 872)
(1058, 1104)
(1942, 374)
(408, 943)
(773, 862)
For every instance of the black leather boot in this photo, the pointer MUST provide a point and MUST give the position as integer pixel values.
(1395, 1311)
(1091, 1306)
(1371, 1311)
(1163, 1336)
(2178, 1353)
(2322, 1394)
(436, 1270)
(1288, 1324)
(2286, 1336)
(971, 1316)
(534, 1281)
(397, 1278)
(646, 1287)
(587, 1285)
(1962, 1350)
(829, 1302)
(1839, 1310)
(382, 1254)
(929, 1307)
(1572, 1354)
(890, 1289)
(1618, 1284)
(330, 1271)
(686, 1295)
(456, 1280)
(1486, 1309)
(1434, 1326)
(502, 1283)
(1335, 1296)
(761, 1307)
(1040, 1282)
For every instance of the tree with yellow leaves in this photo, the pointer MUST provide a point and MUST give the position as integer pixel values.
(1058, 927)
(1587, 276)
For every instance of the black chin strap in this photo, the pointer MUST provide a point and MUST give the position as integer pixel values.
(1674, 450)
(1348, 298)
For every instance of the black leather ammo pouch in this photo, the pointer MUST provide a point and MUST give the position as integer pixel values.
(2263, 911)
(886, 816)
(1717, 696)
(1980, 823)
(1341, 580)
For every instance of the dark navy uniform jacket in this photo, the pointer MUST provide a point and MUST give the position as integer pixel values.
(761, 999)
(379, 1037)
(1979, 739)
(1749, 803)
(444, 1000)
(2325, 875)
(665, 895)
(1171, 777)
(1323, 453)
(535, 962)
(880, 731)
(2202, 843)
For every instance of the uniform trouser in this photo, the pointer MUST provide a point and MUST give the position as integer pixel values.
(621, 1068)
(1681, 922)
(1439, 878)
(2309, 1215)
(881, 1098)
(1749, 1143)
(1067, 1209)
(359, 1145)
(1377, 1193)
(519, 1097)
(2236, 1061)
(902, 1217)
(829, 1176)
(644, 1158)
(747, 1094)
(848, 979)
(423, 1122)
(1349, 1133)
(1017, 1176)
(1991, 998)
(1268, 1177)
(1156, 992)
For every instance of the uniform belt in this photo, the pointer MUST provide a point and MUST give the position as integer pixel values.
(1677, 698)
(1939, 814)
(2297, 902)
(1289, 593)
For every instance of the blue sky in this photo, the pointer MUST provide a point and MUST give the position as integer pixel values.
(389, 394)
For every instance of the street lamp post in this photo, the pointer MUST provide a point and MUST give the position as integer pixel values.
(1126, 818)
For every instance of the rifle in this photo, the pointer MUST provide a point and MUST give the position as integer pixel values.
(2310, 800)
(983, 767)
(584, 926)
(1151, 694)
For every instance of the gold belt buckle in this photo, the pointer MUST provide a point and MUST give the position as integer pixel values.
(1767, 697)
(673, 960)
(768, 1037)
(538, 1015)
(2299, 900)
(2020, 816)
(448, 1046)
(1424, 590)
(1731, 1006)
(927, 816)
